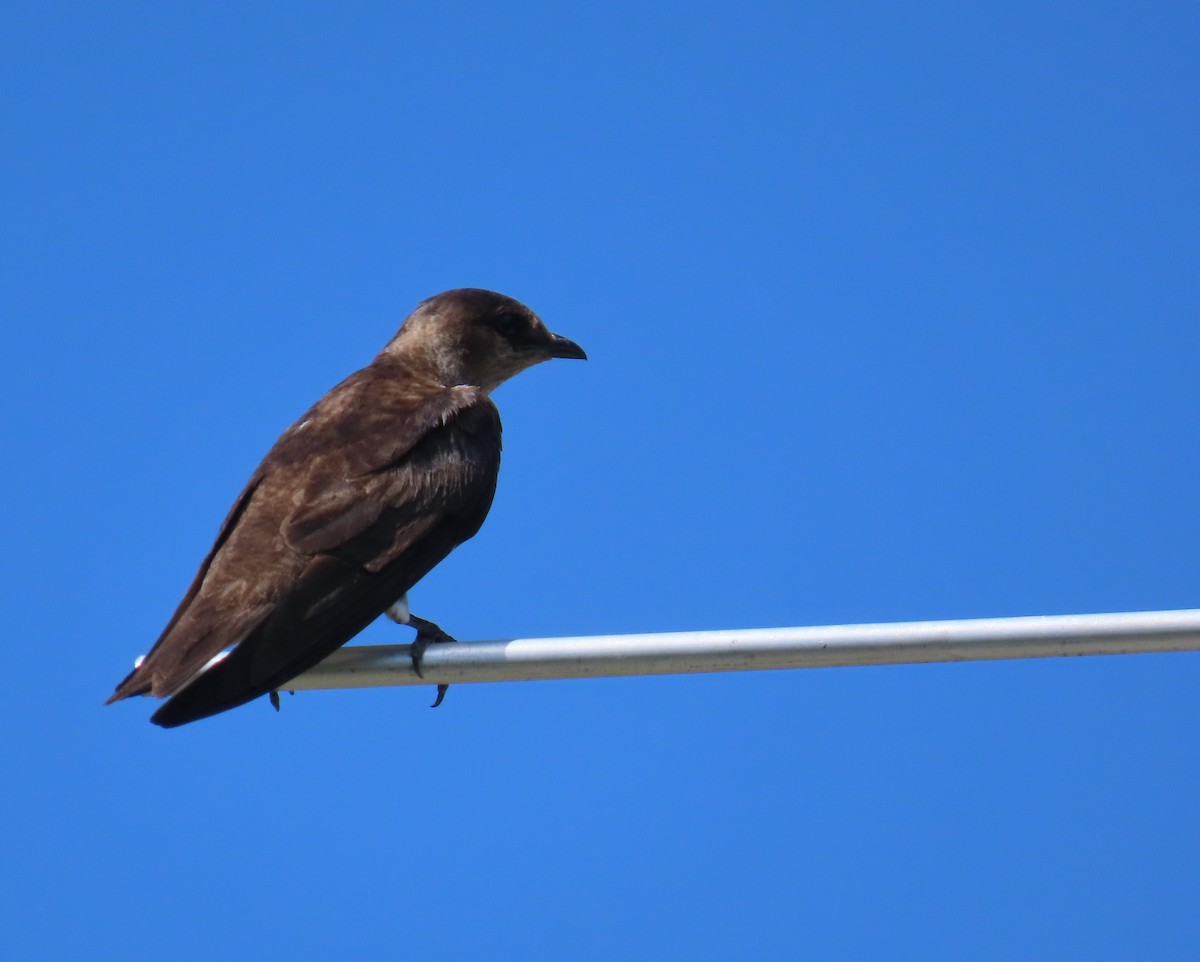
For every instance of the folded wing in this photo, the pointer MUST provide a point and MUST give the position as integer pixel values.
(355, 503)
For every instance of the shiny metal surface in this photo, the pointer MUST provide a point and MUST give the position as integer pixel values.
(597, 656)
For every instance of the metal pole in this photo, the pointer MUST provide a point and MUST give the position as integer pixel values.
(598, 656)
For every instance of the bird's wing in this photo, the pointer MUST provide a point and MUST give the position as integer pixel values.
(354, 504)
(400, 467)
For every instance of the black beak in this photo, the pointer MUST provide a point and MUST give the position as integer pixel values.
(561, 347)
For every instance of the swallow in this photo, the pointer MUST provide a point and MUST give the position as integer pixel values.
(354, 504)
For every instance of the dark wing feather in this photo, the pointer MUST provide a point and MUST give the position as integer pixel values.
(356, 502)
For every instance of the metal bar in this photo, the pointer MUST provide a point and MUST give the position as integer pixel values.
(599, 656)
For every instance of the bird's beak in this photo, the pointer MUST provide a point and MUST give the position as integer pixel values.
(561, 347)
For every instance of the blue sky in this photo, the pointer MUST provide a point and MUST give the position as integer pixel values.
(892, 315)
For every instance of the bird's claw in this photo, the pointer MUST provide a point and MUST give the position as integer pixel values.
(427, 634)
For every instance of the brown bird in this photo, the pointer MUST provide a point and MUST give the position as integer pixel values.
(356, 502)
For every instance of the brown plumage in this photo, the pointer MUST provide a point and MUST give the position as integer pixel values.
(356, 502)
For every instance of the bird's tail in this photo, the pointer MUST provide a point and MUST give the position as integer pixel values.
(137, 682)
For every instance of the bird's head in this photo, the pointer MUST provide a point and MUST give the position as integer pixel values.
(477, 337)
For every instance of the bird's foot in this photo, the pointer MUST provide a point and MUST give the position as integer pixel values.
(274, 696)
(427, 634)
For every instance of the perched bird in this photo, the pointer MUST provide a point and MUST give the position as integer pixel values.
(356, 502)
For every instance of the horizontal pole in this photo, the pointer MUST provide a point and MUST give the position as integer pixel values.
(600, 656)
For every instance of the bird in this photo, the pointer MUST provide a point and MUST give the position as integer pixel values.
(353, 505)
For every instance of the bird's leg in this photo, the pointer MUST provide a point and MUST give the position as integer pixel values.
(274, 696)
(427, 634)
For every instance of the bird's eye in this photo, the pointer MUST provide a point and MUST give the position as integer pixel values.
(507, 324)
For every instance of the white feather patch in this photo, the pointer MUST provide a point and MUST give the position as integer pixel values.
(399, 611)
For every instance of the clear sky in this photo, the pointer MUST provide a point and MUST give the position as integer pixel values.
(893, 314)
